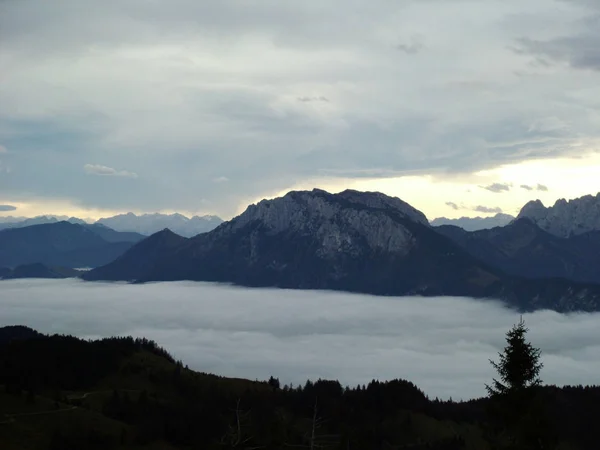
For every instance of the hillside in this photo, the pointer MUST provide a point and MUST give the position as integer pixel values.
(60, 392)
(524, 249)
(63, 244)
(37, 270)
(353, 241)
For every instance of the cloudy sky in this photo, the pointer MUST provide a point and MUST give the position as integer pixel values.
(460, 107)
(441, 344)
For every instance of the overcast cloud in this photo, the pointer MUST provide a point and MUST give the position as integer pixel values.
(268, 93)
(441, 344)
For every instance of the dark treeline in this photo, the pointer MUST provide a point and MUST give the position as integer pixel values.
(158, 400)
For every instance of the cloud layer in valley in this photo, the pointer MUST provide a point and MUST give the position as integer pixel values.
(271, 94)
(441, 344)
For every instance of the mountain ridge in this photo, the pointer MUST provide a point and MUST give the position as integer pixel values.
(565, 218)
(475, 223)
(351, 241)
(63, 244)
(145, 224)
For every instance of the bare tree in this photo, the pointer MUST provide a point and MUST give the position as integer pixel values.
(235, 436)
(316, 440)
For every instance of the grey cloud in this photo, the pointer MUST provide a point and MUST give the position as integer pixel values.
(411, 49)
(497, 187)
(541, 187)
(3, 149)
(538, 187)
(452, 205)
(8, 208)
(579, 50)
(97, 169)
(221, 179)
(313, 99)
(487, 209)
(224, 104)
(442, 344)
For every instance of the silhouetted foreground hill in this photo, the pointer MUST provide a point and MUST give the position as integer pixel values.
(353, 241)
(60, 392)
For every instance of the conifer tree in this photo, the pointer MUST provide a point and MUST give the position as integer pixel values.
(515, 401)
(519, 366)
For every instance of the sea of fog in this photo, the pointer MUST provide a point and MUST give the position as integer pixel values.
(442, 344)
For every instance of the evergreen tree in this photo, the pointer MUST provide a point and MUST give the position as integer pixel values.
(516, 404)
(519, 366)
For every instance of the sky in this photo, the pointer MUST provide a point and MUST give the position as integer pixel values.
(459, 107)
(443, 345)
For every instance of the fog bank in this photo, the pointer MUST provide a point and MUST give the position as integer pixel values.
(441, 344)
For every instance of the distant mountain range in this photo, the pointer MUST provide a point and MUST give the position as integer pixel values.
(354, 241)
(63, 244)
(475, 223)
(148, 224)
(145, 224)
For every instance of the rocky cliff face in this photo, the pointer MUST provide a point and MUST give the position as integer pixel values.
(340, 222)
(565, 218)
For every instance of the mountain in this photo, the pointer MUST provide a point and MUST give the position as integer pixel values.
(37, 270)
(352, 241)
(11, 219)
(475, 223)
(62, 244)
(524, 249)
(148, 224)
(565, 218)
(21, 222)
(110, 235)
(139, 259)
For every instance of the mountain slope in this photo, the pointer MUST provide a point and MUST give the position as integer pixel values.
(140, 259)
(524, 249)
(59, 244)
(148, 224)
(38, 270)
(110, 235)
(360, 242)
(475, 223)
(565, 218)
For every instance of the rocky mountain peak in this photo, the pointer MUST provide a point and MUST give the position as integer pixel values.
(533, 210)
(565, 218)
(381, 201)
(300, 208)
(341, 222)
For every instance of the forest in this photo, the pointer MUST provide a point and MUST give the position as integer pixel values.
(61, 392)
